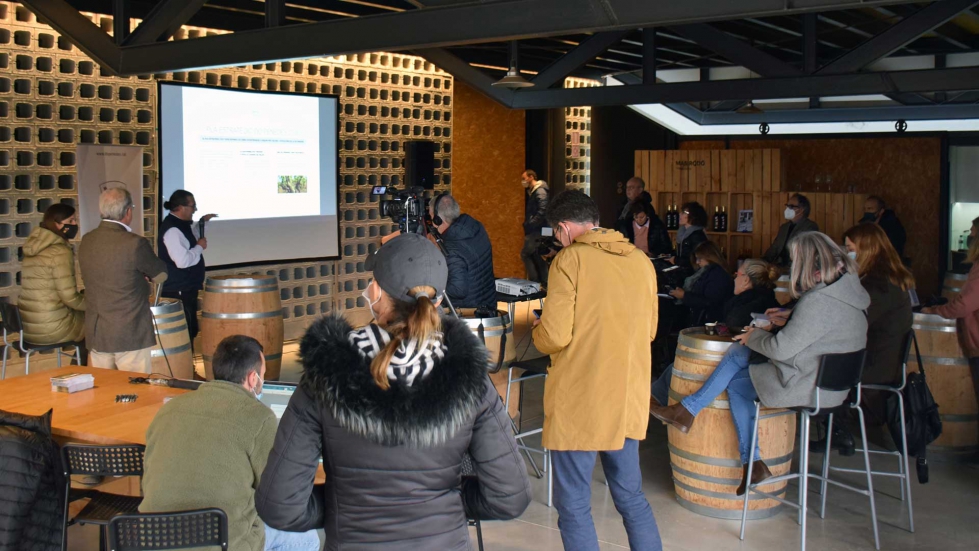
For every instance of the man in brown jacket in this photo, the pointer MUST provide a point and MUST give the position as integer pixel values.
(116, 265)
(599, 319)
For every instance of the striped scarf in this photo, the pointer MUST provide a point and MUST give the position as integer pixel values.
(411, 361)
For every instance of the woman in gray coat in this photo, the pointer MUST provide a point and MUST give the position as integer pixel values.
(829, 318)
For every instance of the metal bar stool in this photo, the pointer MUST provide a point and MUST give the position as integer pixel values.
(12, 324)
(837, 372)
(903, 463)
(533, 369)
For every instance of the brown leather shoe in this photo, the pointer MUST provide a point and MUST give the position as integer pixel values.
(675, 415)
(759, 473)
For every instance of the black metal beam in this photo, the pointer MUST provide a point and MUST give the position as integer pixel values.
(581, 54)
(163, 21)
(84, 34)
(965, 78)
(120, 20)
(894, 38)
(649, 56)
(736, 51)
(465, 72)
(844, 114)
(275, 13)
(467, 22)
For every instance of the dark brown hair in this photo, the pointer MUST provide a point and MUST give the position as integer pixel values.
(56, 214)
(709, 251)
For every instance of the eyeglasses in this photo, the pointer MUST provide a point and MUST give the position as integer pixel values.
(791, 206)
(687, 212)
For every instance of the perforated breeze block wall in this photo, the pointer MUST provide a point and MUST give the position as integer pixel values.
(53, 97)
(577, 136)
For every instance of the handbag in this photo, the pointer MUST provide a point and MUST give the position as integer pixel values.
(923, 424)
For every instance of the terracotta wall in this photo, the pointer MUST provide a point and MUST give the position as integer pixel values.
(488, 145)
(906, 172)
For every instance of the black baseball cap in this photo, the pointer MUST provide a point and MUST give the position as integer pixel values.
(408, 261)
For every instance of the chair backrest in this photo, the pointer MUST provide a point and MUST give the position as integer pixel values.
(467, 465)
(176, 530)
(840, 371)
(11, 318)
(103, 460)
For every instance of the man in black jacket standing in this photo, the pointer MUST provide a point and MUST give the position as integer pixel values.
(875, 211)
(468, 255)
(534, 208)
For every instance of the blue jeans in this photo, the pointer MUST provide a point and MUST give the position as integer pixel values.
(279, 540)
(661, 388)
(572, 497)
(731, 375)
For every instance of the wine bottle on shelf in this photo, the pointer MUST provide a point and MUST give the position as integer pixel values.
(715, 224)
(670, 215)
(723, 219)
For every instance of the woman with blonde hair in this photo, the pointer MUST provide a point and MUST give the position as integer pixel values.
(828, 319)
(392, 408)
(965, 309)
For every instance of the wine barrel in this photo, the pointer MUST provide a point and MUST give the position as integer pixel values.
(497, 334)
(242, 305)
(947, 373)
(705, 461)
(782, 287)
(953, 285)
(172, 353)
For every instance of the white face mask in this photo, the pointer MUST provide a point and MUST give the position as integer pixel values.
(789, 213)
(852, 254)
(370, 304)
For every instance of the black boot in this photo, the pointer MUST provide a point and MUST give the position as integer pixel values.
(842, 440)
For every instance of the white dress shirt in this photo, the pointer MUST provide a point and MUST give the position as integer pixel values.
(182, 254)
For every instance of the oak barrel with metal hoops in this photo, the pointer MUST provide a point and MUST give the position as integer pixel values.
(947, 373)
(242, 305)
(782, 287)
(496, 333)
(953, 285)
(172, 352)
(705, 461)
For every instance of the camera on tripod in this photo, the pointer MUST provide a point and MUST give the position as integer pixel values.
(406, 207)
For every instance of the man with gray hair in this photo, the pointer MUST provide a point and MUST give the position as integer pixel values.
(468, 255)
(116, 265)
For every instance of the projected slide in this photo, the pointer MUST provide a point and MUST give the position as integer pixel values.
(266, 163)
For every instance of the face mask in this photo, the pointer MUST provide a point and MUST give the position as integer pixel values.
(370, 304)
(261, 384)
(69, 231)
(869, 217)
(789, 213)
(852, 254)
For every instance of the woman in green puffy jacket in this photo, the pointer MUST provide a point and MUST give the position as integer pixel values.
(51, 307)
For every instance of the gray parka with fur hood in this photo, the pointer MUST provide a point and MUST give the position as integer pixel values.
(392, 458)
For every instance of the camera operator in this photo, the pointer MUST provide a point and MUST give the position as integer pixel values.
(468, 255)
(535, 206)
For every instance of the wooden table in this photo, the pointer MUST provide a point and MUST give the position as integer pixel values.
(91, 416)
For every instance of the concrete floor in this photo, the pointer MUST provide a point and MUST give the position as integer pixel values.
(946, 509)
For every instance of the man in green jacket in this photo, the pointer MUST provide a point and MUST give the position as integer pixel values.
(208, 448)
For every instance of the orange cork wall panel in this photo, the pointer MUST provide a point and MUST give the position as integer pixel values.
(488, 155)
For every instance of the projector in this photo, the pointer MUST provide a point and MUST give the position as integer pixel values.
(517, 287)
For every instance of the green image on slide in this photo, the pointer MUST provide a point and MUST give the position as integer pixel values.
(292, 184)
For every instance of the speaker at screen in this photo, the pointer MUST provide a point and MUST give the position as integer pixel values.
(420, 164)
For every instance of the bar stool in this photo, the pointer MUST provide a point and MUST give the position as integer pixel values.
(12, 325)
(837, 373)
(903, 463)
(532, 369)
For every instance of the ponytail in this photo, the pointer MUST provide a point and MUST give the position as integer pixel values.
(412, 321)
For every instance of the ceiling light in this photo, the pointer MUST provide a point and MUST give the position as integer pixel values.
(513, 78)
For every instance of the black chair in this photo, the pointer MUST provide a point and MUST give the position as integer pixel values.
(469, 472)
(837, 373)
(532, 369)
(12, 325)
(78, 459)
(176, 530)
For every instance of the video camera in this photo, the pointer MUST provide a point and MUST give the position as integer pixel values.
(407, 207)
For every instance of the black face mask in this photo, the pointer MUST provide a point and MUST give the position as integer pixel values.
(869, 217)
(69, 231)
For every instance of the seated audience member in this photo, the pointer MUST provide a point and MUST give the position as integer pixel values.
(709, 288)
(635, 192)
(875, 211)
(797, 214)
(693, 218)
(965, 309)
(828, 319)
(647, 232)
(393, 407)
(208, 448)
(754, 293)
(468, 253)
(52, 309)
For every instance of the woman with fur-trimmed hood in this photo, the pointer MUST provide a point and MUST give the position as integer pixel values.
(392, 408)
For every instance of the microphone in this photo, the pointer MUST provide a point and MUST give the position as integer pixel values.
(200, 227)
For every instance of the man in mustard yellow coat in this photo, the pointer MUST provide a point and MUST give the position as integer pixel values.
(597, 324)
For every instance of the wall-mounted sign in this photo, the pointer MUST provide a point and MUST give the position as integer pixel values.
(687, 165)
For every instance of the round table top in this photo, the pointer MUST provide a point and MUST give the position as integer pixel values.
(697, 337)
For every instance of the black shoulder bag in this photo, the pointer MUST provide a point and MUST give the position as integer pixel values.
(923, 422)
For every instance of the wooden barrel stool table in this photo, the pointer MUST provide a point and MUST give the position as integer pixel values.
(243, 305)
(947, 373)
(953, 285)
(497, 334)
(705, 461)
(172, 354)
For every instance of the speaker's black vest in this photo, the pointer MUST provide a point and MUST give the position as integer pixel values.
(180, 279)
